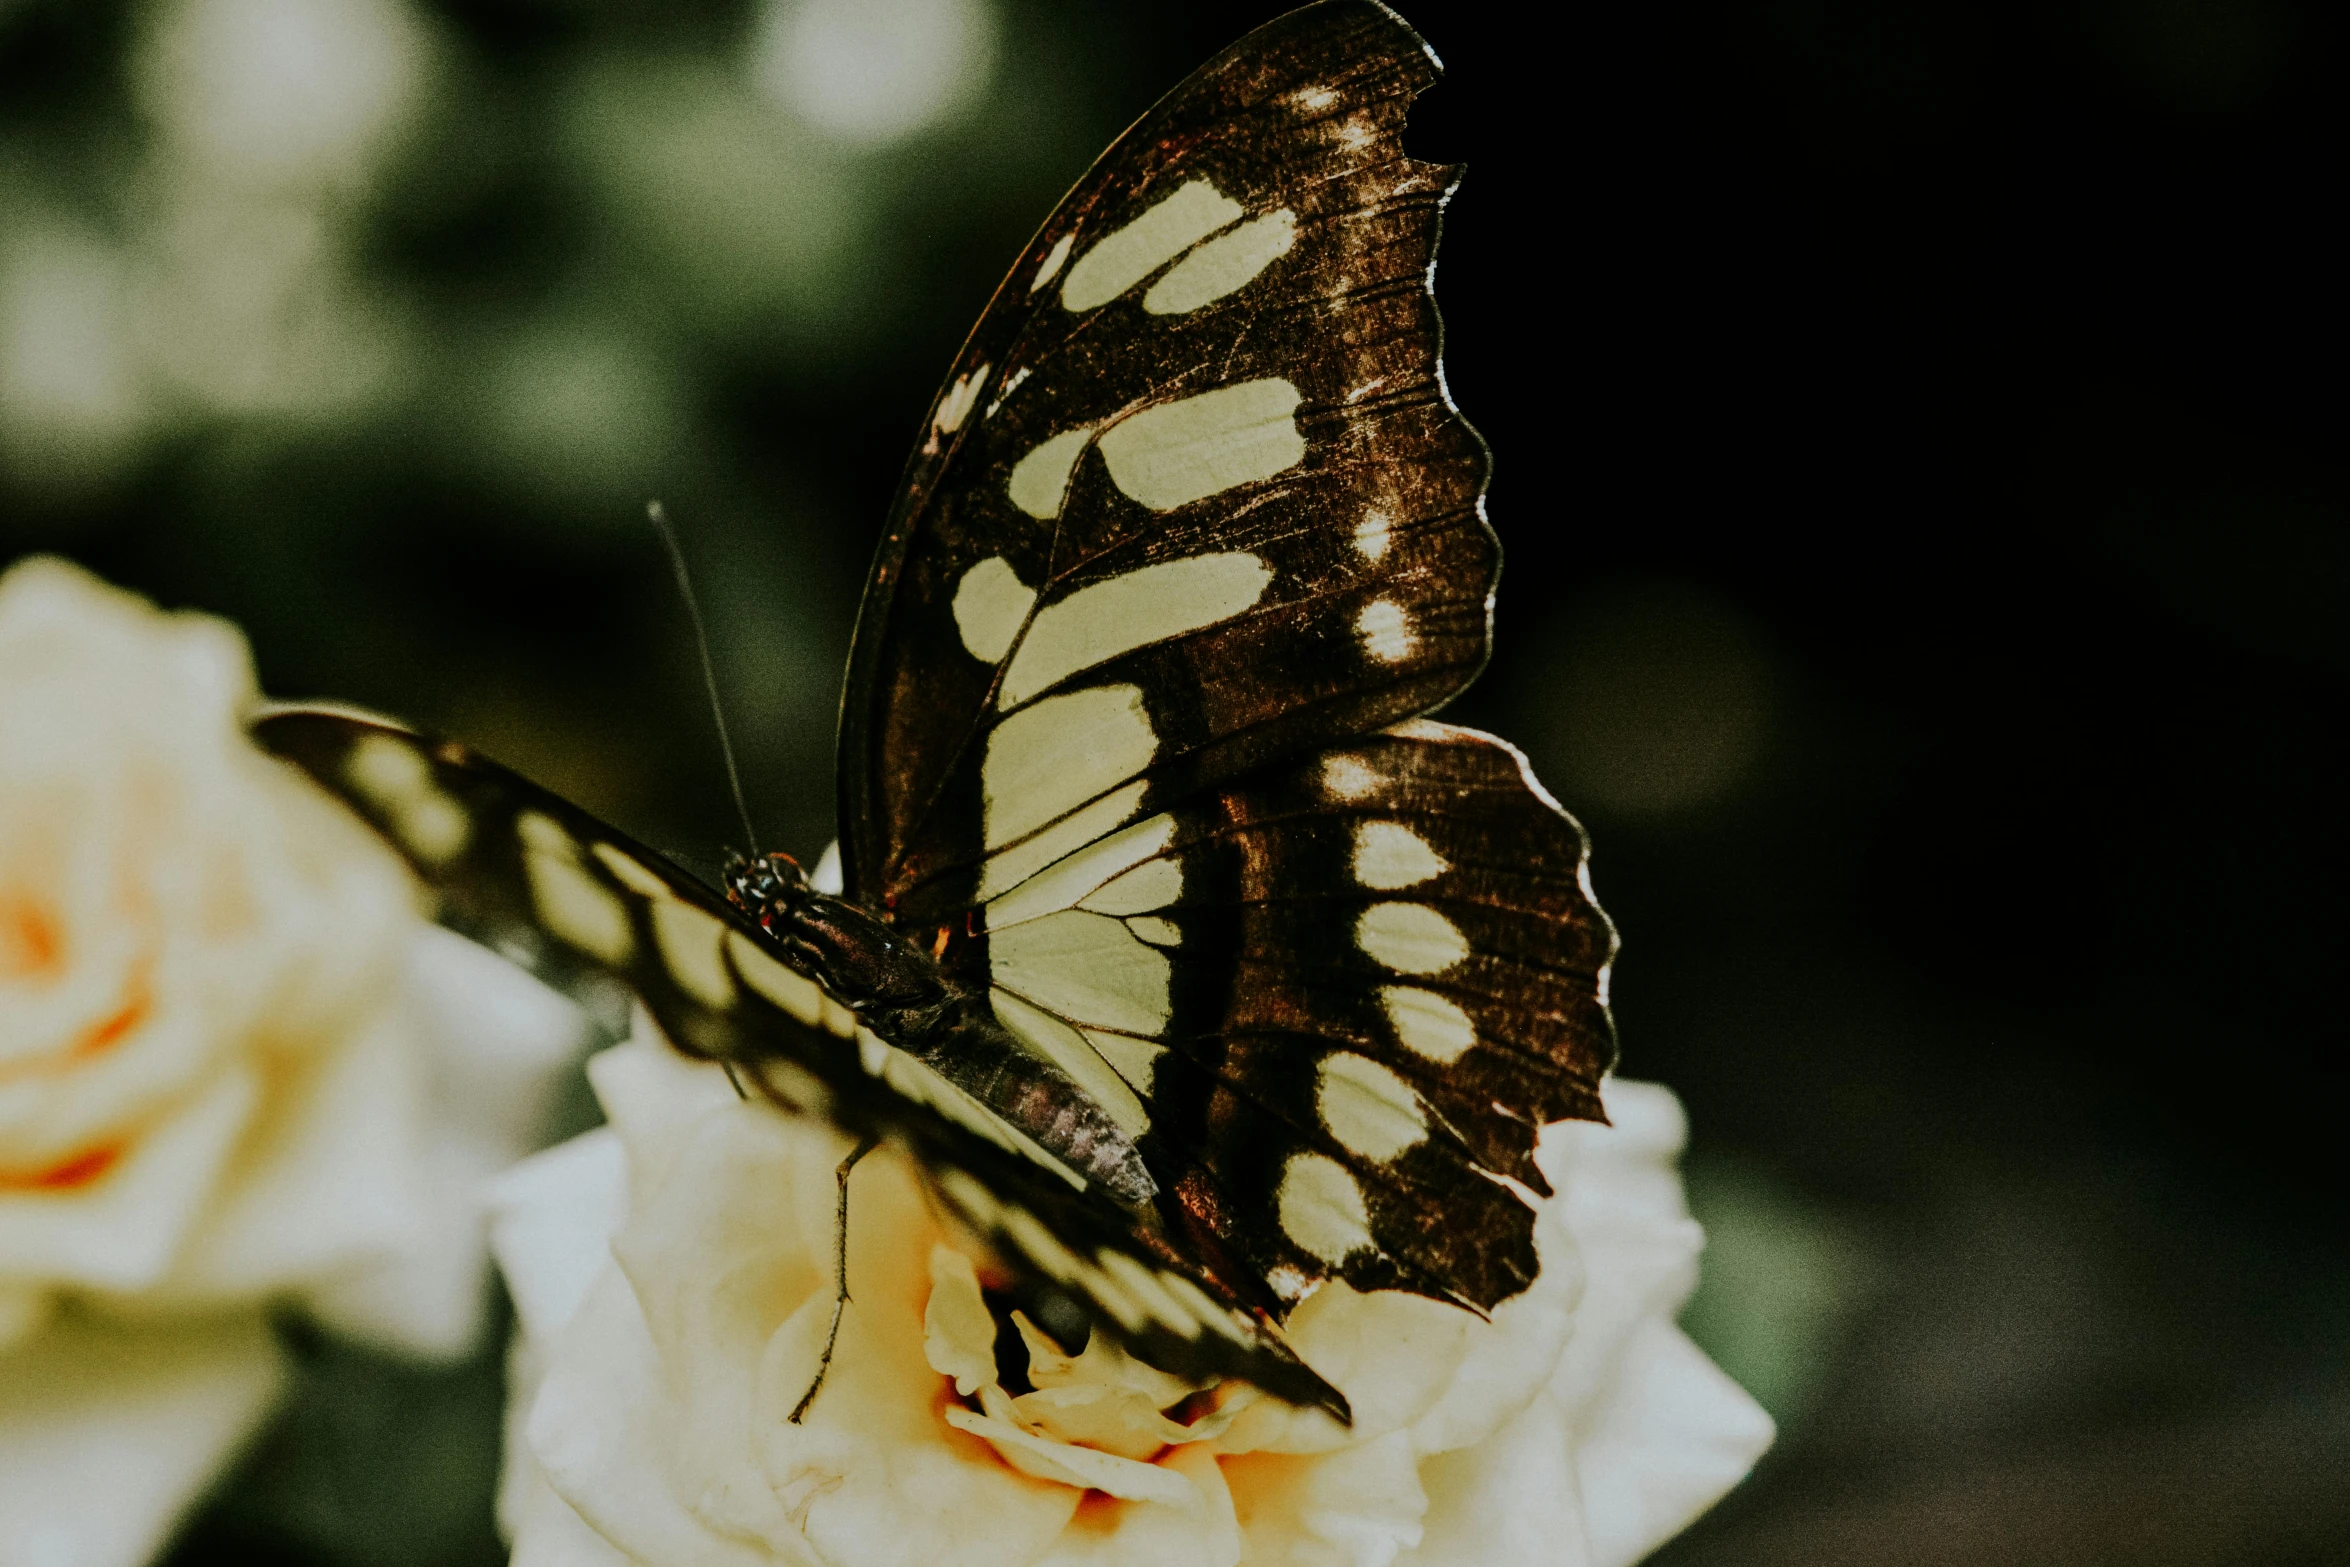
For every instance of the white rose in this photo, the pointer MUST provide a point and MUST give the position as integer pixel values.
(672, 1276)
(236, 1067)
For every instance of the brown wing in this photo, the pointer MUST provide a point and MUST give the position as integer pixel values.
(1193, 497)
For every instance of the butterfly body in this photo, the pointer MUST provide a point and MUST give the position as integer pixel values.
(901, 994)
(1190, 960)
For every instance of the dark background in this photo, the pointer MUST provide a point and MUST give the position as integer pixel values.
(1918, 454)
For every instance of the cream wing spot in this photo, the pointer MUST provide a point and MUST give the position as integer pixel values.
(1347, 778)
(1047, 760)
(1428, 1024)
(1040, 479)
(1204, 1306)
(631, 873)
(1011, 385)
(579, 909)
(1410, 938)
(796, 994)
(834, 1018)
(1172, 454)
(1223, 265)
(1373, 534)
(991, 604)
(961, 398)
(1322, 1208)
(1043, 1247)
(1135, 1060)
(1143, 1284)
(1127, 255)
(430, 825)
(542, 834)
(691, 940)
(1389, 855)
(1158, 932)
(1386, 630)
(1088, 968)
(1063, 884)
(1050, 267)
(1151, 885)
(1106, 619)
(1372, 1112)
(1016, 866)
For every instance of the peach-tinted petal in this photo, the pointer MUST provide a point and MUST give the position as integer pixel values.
(1109, 1532)
(958, 1336)
(1082, 1467)
(123, 1232)
(1509, 1357)
(1112, 1419)
(334, 1178)
(237, 1067)
(1100, 1364)
(650, 1093)
(1357, 1507)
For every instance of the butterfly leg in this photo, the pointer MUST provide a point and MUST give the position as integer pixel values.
(840, 1273)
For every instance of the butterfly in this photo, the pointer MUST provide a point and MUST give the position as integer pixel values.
(1193, 964)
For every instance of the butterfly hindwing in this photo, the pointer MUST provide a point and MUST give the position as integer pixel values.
(1193, 496)
(533, 876)
(1336, 999)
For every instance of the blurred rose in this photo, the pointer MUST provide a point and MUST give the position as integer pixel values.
(672, 1276)
(236, 1067)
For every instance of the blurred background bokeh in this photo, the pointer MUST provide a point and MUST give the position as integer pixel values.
(1918, 437)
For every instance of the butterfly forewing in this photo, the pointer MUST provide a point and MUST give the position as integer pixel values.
(534, 876)
(1193, 496)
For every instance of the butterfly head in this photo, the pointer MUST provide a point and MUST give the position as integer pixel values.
(765, 887)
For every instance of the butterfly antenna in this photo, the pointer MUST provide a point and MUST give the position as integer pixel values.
(685, 590)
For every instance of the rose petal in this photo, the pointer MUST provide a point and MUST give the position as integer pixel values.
(1078, 1466)
(1673, 1435)
(1361, 1507)
(109, 1433)
(958, 1335)
(650, 1093)
(1100, 1364)
(598, 1428)
(1391, 1354)
(875, 1477)
(1116, 1420)
(548, 1533)
(1508, 1358)
(333, 1179)
(122, 1231)
(1108, 1532)
(1512, 1500)
(552, 1219)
